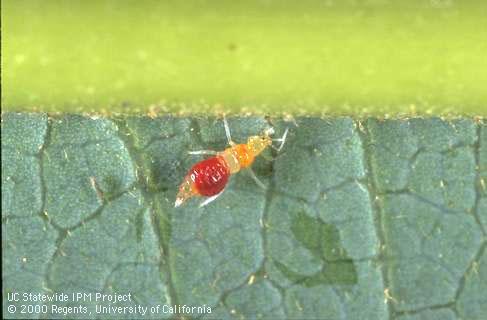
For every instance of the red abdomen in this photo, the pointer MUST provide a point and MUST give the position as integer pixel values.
(210, 176)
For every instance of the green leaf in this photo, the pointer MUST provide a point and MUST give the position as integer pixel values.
(373, 219)
(312, 56)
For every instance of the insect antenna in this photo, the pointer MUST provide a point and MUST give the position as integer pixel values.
(282, 140)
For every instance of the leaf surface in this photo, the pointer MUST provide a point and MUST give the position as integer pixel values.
(365, 219)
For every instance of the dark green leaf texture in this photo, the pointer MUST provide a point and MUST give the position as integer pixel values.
(372, 219)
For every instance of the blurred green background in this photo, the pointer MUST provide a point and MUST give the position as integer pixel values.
(347, 57)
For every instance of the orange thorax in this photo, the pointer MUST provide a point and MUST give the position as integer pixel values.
(237, 157)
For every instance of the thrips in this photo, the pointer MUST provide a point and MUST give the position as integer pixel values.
(209, 177)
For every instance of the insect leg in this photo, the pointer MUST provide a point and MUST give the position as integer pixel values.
(257, 180)
(227, 131)
(210, 199)
(270, 158)
(198, 152)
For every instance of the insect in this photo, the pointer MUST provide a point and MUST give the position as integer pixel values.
(209, 177)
